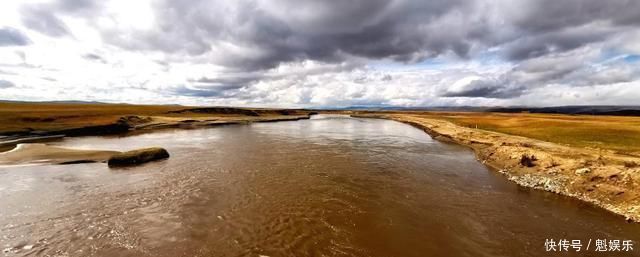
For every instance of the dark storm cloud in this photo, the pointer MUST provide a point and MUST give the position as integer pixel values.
(540, 39)
(256, 35)
(552, 15)
(299, 30)
(488, 88)
(549, 26)
(559, 41)
(12, 37)
(268, 34)
(6, 84)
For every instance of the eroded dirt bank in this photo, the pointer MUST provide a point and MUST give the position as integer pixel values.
(24, 151)
(134, 124)
(606, 179)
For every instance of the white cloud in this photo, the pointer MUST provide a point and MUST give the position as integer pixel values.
(303, 53)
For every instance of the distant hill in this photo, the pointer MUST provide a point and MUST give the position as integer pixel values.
(613, 110)
(400, 108)
(74, 102)
(576, 110)
(572, 110)
(53, 102)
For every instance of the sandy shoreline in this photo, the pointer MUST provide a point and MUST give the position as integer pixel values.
(45, 154)
(27, 149)
(603, 178)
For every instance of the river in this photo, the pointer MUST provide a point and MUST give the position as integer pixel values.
(328, 186)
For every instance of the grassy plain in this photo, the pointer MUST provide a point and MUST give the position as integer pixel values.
(617, 133)
(23, 116)
(56, 116)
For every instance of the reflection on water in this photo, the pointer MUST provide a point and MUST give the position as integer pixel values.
(329, 186)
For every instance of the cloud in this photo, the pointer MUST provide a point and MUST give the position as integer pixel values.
(77, 6)
(44, 17)
(487, 88)
(255, 35)
(550, 15)
(94, 57)
(557, 41)
(578, 68)
(209, 92)
(6, 84)
(12, 37)
(230, 81)
(324, 53)
(41, 19)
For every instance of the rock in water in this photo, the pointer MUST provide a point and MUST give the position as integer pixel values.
(137, 157)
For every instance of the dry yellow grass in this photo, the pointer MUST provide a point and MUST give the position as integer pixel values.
(617, 133)
(22, 116)
(53, 116)
(621, 134)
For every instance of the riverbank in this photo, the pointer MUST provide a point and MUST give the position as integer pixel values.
(25, 149)
(603, 178)
(42, 122)
(607, 178)
(24, 154)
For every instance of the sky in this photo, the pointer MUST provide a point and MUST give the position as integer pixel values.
(313, 53)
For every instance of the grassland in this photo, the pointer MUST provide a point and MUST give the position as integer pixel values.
(617, 133)
(22, 117)
(22, 122)
(58, 116)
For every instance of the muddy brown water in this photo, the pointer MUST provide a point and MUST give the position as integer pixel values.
(329, 186)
